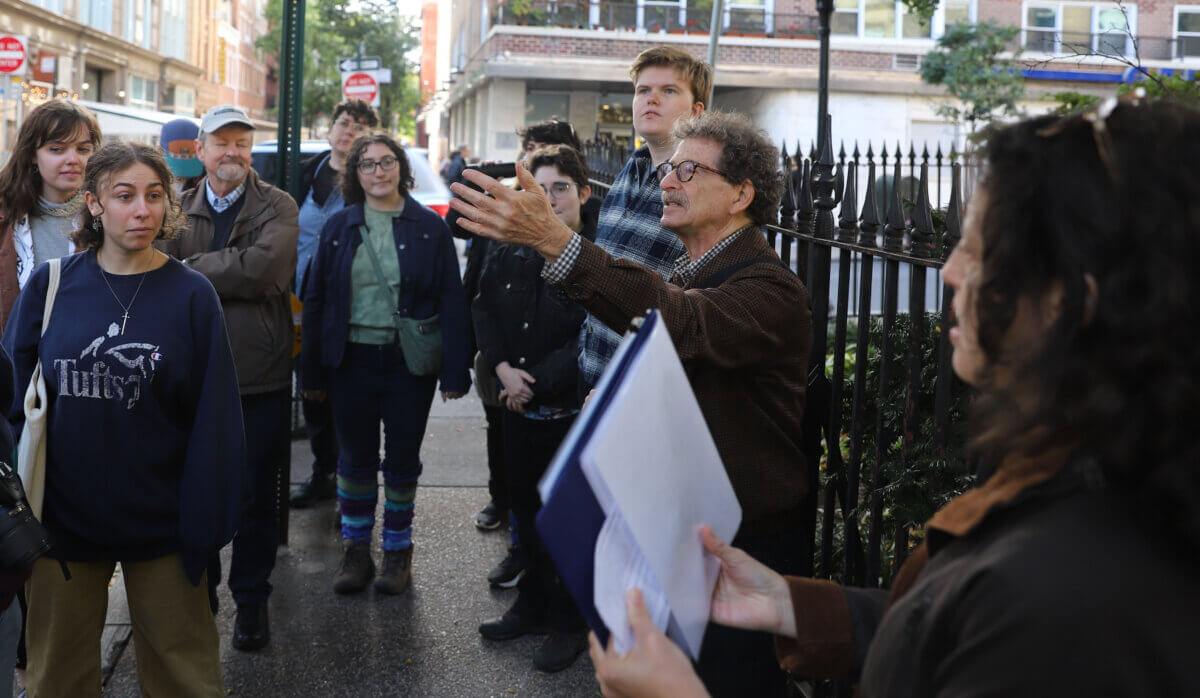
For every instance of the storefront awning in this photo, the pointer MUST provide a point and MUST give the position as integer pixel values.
(118, 121)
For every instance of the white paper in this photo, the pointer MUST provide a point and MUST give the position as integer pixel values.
(652, 460)
(620, 566)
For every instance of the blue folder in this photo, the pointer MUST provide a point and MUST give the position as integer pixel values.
(570, 519)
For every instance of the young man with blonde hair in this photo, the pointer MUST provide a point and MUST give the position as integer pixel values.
(669, 84)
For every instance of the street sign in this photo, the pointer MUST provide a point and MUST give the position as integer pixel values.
(362, 86)
(12, 53)
(354, 65)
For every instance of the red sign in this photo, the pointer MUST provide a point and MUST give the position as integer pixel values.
(360, 86)
(12, 54)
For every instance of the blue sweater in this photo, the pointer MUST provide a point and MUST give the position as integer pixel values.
(146, 448)
(430, 284)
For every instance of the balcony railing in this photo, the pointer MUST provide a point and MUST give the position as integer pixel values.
(1113, 44)
(652, 17)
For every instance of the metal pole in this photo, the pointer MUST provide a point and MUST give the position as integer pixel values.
(714, 32)
(824, 12)
(287, 176)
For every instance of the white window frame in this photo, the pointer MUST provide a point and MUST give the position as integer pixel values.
(936, 29)
(1177, 35)
(139, 101)
(1131, 17)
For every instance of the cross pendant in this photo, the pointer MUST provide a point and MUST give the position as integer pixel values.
(124, 319)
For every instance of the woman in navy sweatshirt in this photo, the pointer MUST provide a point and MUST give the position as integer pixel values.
(384, 319)
(145, 445)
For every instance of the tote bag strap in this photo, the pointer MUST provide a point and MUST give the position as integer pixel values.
(51, 292)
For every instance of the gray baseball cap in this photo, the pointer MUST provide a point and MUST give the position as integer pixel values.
(223, 115)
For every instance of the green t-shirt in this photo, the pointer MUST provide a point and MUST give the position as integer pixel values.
(371, 311)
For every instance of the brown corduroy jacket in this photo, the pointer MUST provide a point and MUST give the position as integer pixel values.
(744, 345)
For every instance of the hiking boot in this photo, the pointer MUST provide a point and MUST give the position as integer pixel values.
(506, 574)
(559, 651)
(356, 571)
(396, 574)
(490, 518)
(318, 488)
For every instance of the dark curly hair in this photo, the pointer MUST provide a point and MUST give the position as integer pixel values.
(119, 156)
(553, 131)
(352, 191)
(746, 154)
(568, 161)
(358, 110)
(1117, 372)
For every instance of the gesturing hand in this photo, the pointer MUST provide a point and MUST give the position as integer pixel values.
(748, 594)
(521, 217)
(654, 667)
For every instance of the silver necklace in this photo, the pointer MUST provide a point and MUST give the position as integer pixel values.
(125, 308)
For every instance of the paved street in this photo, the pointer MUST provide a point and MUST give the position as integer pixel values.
(423, 643)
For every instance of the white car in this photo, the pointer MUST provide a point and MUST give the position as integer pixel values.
(428, 188)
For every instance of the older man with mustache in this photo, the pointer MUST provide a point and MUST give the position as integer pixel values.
(242, 235)
(739, 319)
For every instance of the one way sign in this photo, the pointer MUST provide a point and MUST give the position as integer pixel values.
(353, 65)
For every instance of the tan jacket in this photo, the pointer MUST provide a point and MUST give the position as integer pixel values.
(252, 275)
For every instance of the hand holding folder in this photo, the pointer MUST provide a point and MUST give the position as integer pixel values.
(628, 491)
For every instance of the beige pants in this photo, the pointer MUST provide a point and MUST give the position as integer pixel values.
(176, 639)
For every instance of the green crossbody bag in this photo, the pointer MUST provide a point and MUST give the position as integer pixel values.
(420, 340)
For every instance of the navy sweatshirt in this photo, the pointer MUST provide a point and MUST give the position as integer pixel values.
(146, 447)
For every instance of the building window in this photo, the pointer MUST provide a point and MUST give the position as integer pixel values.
(1069, 28)
(173, 39)
(1187, 32)
(52, 5)
(540, 106)
(97, 14)
(142, 92)
(888, 19)
(137, 22)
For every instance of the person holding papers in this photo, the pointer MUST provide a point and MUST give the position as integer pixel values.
(739, 319)
(528, 334)
(1071, 571)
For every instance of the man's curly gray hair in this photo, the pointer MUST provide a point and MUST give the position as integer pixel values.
(746, 154)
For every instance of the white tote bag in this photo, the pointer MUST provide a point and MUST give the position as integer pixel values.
(31, 449)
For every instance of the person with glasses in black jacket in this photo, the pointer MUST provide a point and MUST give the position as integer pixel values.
(528, 335)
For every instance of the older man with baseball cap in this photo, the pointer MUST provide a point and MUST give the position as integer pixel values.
(241, 234)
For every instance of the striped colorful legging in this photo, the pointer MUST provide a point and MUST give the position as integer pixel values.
(372, 388)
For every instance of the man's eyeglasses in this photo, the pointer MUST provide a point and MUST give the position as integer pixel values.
(684, 170)
(351, 124)
(368, 166)
(559, 190)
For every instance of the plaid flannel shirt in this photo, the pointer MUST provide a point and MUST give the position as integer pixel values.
(629, 228)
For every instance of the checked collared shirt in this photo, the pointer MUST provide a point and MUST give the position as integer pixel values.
(629, 228)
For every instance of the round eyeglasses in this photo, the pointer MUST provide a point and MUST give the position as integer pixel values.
(368, 166)
(683, 170)
(558, 190)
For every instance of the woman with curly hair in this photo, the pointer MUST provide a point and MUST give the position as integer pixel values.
(144, 444)
(1072, 569)
(384, 321)
(40, 196)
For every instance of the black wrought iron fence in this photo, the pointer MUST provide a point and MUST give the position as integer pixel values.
(884, 412)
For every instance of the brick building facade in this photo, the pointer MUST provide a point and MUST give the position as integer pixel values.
(526, 61)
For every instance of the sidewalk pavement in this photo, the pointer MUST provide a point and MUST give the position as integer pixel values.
(422, 643)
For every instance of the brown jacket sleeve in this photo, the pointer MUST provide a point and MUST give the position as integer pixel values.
(729, 326)
(262, 269)
(824, 644)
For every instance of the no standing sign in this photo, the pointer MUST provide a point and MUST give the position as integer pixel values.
(361, 85)
(12, 54)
